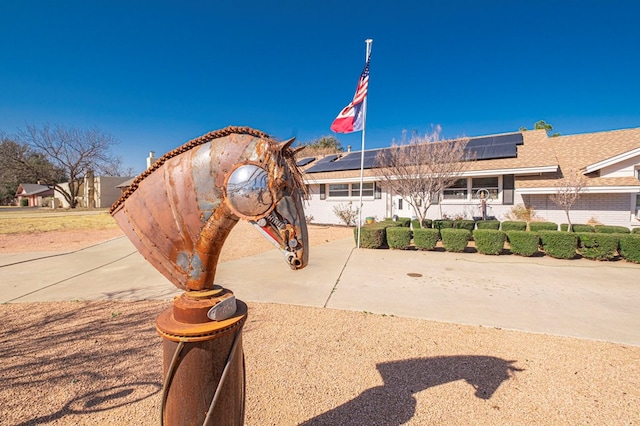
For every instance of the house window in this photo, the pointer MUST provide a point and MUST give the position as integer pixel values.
(323, 191)
(339, 190)
(508, 189)
(457, 191)
(400, 204)
(377, 193)
(367, 189)
(488, 183)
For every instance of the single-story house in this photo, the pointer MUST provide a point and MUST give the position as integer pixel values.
(34, 193)
(514, 168)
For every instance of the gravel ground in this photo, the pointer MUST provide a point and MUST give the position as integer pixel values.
(98, 363)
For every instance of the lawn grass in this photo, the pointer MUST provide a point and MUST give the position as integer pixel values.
(17, 223)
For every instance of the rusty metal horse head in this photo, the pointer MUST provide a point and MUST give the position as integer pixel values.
(179, 212)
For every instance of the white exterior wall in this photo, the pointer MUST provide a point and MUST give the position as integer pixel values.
(322, 211)
(626, 168)
(608, 209)
(62, 202)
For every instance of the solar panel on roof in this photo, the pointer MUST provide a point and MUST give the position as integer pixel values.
(304, 161)
(482, 148)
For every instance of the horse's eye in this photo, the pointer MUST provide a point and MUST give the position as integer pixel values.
(248, 190)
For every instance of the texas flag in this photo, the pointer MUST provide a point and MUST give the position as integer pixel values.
(351, 118)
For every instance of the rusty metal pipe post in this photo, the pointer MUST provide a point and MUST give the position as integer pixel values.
(208, 362)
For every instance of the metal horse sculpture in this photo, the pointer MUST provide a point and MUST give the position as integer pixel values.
(178, 214)
(180, 211)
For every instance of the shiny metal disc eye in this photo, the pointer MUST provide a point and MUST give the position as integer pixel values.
(248, 190)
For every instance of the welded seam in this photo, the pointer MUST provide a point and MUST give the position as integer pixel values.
(335, 286)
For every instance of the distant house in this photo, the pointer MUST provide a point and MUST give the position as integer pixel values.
(515, 168)
(95, 191)
(34, 194)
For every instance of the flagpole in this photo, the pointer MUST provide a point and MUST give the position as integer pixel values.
(364, 127)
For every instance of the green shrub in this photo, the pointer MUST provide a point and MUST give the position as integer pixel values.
(635, 231)
(489, 241)
(24, 202)
(405, 221)
(425, 238)
(514, 225)
(469, 225)
(561, 245)
(455, 239)
(442, 223)
(577, 227)
(387, 223)
(630, 248)
(488, 224)
(426, 223)
(371, 236)
(542, 226)
(399, 238)
(604, 229)
(523, 243)
(598, 246)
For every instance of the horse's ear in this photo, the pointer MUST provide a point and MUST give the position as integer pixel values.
(282, 146)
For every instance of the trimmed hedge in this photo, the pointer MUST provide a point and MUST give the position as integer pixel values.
(425, 238)
(561, 245)
(371, 236)
(577, 227)
(442, 223)
(514, 225)
(399, 238)
(635, 231)
(489, 241)
(488, 224)
(455, 240)
(469, 225)
(523, 243)
(542, 226)
(426, 223)
(598, 246)
(606, 229)
(630, 248)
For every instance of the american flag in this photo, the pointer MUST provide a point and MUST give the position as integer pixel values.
(351, 118)
(363, 85)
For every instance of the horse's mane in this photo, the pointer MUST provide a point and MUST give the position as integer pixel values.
(288, 157)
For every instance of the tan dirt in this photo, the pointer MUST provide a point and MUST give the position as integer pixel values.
(99, 363)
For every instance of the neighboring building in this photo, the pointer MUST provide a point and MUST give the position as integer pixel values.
(36, 194)
(95, 192)
(516, 168)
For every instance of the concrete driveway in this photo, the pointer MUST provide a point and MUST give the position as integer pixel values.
(578, 298)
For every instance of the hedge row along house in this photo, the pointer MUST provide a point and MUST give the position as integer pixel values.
(515, 168)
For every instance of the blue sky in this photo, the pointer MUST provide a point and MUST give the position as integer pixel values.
(156, 74)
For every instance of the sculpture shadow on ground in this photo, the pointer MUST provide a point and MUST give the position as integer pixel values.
(394, 403)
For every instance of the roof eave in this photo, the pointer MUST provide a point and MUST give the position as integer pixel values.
(611, 161)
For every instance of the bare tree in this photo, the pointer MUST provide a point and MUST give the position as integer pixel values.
(20, 164)
(421, 168)
(75, 152)
(569, 189)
